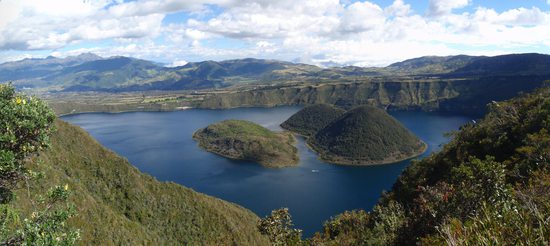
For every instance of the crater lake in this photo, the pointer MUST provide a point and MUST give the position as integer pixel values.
(161, 144)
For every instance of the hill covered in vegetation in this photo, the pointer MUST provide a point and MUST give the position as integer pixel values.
(457, 84)
(245, 140)
(433, 64)
(118, 205)
(365, 135)
(312, 118)
(489, 185)
(88, 72)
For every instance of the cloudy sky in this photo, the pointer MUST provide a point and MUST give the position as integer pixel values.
(346, 32)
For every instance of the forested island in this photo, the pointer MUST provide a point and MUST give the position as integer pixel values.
(364, 135)
(245, 140)
(312, 118)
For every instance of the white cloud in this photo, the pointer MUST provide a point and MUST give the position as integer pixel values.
(266, 47)
(177, 63)
(521, 16)
(49, 25)
(398, 8)
(443, 7)
(273, 19)
(147, 7)
(360, 17)
(313, 31)
(9, 58)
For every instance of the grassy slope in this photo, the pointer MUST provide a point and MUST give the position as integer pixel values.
(365, 135)
(117, 204)
(311, 119)
(239, 139)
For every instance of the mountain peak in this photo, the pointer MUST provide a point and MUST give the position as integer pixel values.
(89, 55)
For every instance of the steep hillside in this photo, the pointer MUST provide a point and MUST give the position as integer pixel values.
(245, 140)
(365, 135)
(36, 67)
(489, 185)
(311, 119)
(454, 95)
(433, 64)
(253, 67)
(510, 65)
(118, 205)
(106, 73)
(89, 72)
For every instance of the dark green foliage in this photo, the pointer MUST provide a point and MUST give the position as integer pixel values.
(380, 227)
(365, 135)
(522, 220)
(279, 228)
(506, 133)
(245, 140)
(488, 186)
(345, 229)
(482, 162)
(312, 118)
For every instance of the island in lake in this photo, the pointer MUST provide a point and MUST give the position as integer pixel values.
(312, 118)
(364, 135)
(245, 140)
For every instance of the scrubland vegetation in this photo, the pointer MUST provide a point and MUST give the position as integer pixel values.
(489, 186)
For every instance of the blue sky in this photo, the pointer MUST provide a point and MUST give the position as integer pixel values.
(346, 32)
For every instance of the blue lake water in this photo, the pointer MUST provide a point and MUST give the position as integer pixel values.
(160, 144)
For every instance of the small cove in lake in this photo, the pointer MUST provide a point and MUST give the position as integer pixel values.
(161, 144)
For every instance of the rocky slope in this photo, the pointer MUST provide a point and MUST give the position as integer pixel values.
(451, 95)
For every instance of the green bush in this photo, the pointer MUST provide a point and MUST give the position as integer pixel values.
(278, 227)
(26, 124)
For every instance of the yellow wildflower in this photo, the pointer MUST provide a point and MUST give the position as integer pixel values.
(18, 100)
(66, 186)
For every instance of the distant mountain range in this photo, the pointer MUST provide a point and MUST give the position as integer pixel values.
(89, 72)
